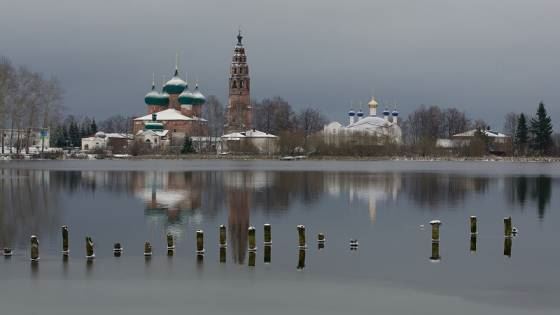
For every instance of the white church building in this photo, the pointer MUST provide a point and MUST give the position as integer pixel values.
(384, 128)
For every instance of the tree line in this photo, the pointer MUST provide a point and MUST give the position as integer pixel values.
(29, 101)
(533, 135)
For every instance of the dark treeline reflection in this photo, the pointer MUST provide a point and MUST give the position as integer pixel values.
(29, 204)
(173, 200)
(522, 190)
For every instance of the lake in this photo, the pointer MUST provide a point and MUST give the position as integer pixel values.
(385, 205)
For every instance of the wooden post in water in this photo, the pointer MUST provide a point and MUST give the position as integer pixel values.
(435, 230)
(170, 242)
(507, 227)
(200, 242)
(301, 237)
(90, 253)
(35, 248)
(321, 241)
(7, 252)
(267, 234)
(65, 247)
(147, 249)
(252, 239)
(223, 236)
(117, 250)
(435, 252)
(301, 259)
(473, 243)
(507, 246)
(252, 259)
(267, 254)
(474, 228)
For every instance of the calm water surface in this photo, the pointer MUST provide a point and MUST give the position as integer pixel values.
(382, 204)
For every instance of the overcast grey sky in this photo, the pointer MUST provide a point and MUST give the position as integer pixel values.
(487, 57)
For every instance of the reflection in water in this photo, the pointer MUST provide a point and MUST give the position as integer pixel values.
(435, 252)
(473, 243)
(508, 241)
(538, 189)
(29, 205)
(31, 199)
(301, 259)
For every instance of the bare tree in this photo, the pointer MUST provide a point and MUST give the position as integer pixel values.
(214, 113)
(116, 123)
(454, 122)
(310, 121)
(274, 115)
(510, 124)
(6, 83)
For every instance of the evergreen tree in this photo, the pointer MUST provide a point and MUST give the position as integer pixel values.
(541, 130)
(74, 134)
(93, 127)
(521, 135)
(187, 146)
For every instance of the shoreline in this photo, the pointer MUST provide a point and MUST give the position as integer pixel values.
(308, 158)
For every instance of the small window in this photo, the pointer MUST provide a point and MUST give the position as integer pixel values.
(241, 84)
(174, 130)
(234, 85)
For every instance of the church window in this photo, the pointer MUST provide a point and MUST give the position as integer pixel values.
(234, 70)
(241, 84)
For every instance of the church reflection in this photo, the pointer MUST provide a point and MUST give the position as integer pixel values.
(31, 200)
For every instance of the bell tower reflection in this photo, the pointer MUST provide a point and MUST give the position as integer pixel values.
(238, 203)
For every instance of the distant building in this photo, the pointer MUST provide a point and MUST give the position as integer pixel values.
(498, 142)
(239, 113)
(38, 139)
(385, 128)
(117, 143)
(178, 109)
(250, 141)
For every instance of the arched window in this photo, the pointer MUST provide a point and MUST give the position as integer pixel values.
(234, 85)
(241, 84)
(234, 70)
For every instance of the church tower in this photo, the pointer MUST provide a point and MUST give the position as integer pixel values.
(239, 112)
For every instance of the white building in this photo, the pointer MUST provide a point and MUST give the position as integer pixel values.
(105, 141)
(385, 127)
(250, 141)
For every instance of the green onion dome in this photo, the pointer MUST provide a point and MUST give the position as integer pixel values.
(156, 98)
(187, 97)
(199, 99)
(152, 125)
(176, 85)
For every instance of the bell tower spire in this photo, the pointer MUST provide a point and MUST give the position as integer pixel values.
(239, 112)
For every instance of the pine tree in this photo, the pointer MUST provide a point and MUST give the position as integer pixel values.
(93, 127)
(541, 130)
(187, 146)
(74, 134)
(521, 135)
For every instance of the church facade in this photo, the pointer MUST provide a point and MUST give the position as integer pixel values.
(177, 108)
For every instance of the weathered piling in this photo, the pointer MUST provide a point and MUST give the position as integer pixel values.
(117, 250)
(223, 236)
(65, 246)
(435, 230)
(7, 252)
(354, 244)
(508, 241)
(90, 253)
(267, 234)
(301, 259)
(170, 242)
(321, 238)
(252, 259)
(473, 243)
(252, 239)
(223, 255)
(507, 227)
(301, 236)
(474, 227)
(200, 242)
(35, 248)
(435, 252)
(147, 249)
(267, 254)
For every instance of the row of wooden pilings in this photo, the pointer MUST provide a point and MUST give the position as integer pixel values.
(200, 249)
(509, 232)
